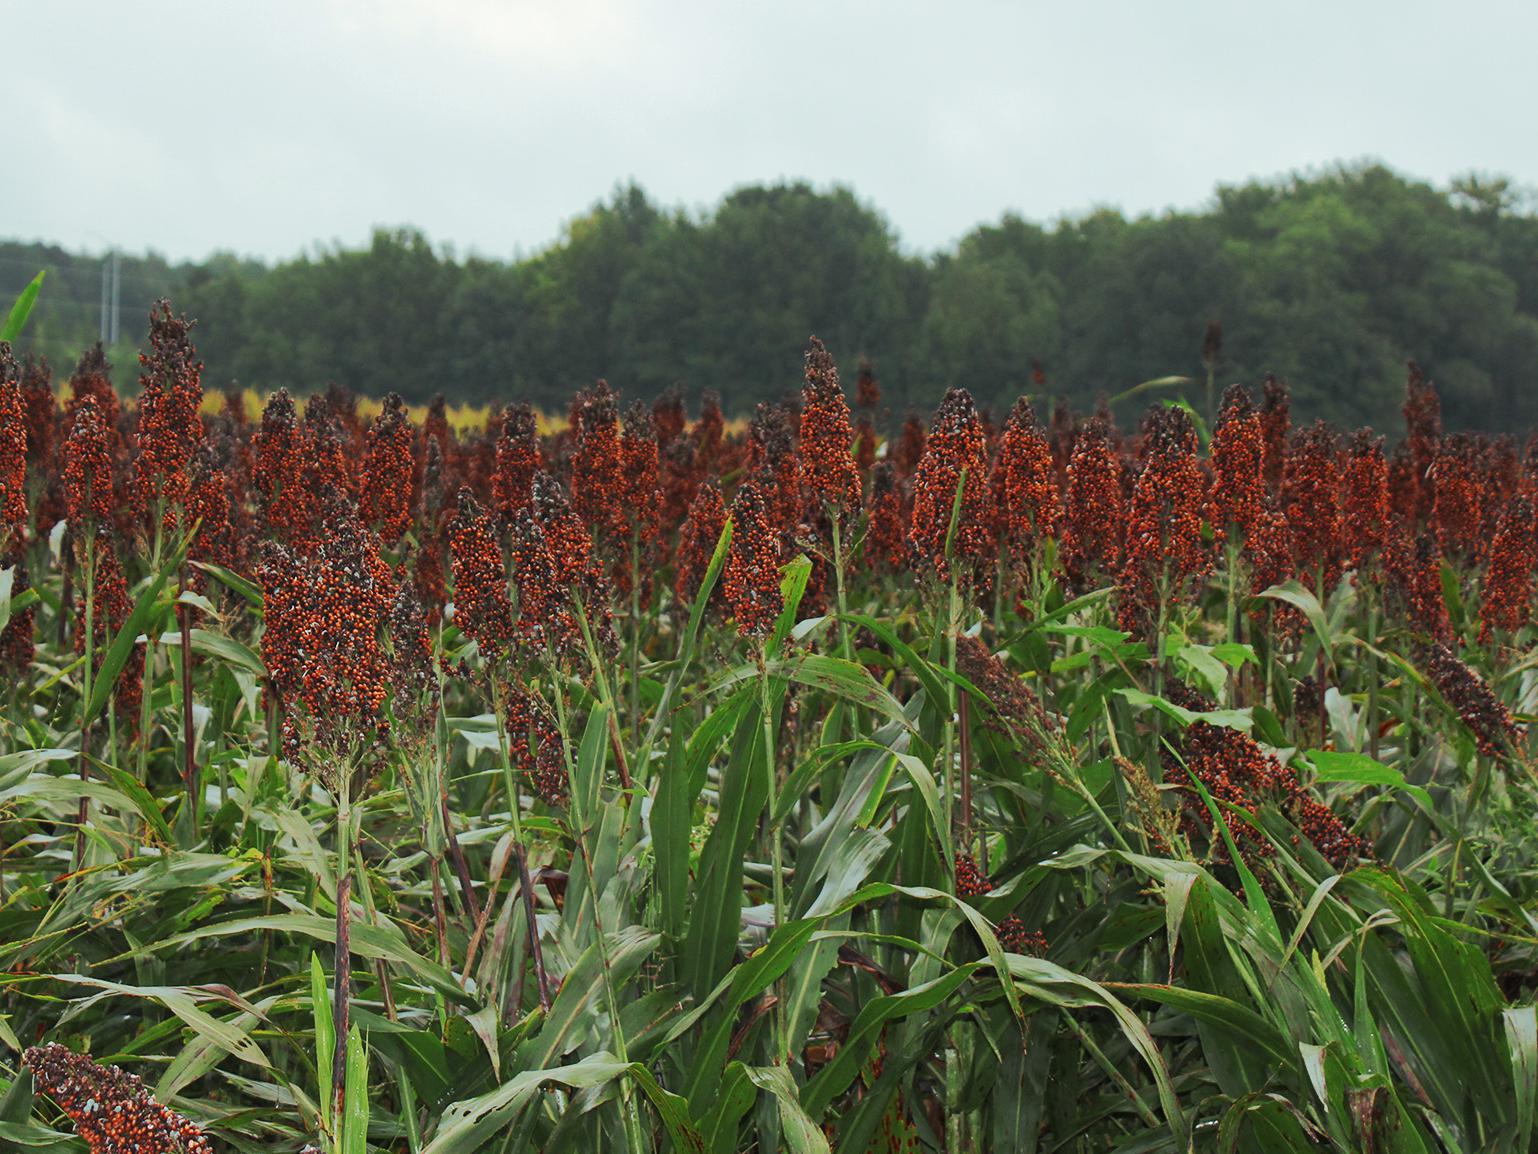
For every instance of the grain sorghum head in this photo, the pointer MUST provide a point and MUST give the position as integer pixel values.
(1024, 483)
(668, 415)
(909, 450)
(886, 541)
(751, 578)
(1238, 463)
(389, 467)
(1165, 552)
(697, 542)
(210, 505)
(1366, 511)
(13, 453)
(1415, 579)
(1311, 493)
(955, 458)
(17, 640)
(534, 745)
(92, 380)
(1457, 482)
(1506, 592)
(1212, 344)
(273, 443)
(170, 395)
(829, 474)
(42, 409)
(971, 881)
(482, 610)
(1092, 525)
(414, 675)
(517, 460)
(773, 459)
(597, 465)
(867, 391)
(708, 432)
(1476, 704)
(1013, 709)
(641, 473)
(88, 466)
(113, 1111)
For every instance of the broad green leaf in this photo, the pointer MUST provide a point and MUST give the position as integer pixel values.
(16, 319)
(325, 1036)
(1358, 768)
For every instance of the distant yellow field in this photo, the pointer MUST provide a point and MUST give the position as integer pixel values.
(462, 418)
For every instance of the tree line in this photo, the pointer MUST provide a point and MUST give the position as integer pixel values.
(1331, 280)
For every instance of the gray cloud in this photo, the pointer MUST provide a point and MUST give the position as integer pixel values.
(262, 127)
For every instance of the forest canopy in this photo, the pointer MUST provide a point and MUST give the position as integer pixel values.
(1330, 280)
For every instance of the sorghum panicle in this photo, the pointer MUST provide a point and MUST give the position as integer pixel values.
(708, 432)
(909, 450)
(641, 473)
(955, 457)
(1415, 579)
(751, 578)
(211, 507)
(697, 543)
(1367, 518)
(482, 610)
(92, 381)
(886, 543)
(272, 445)
(829, 475)
(1014, 710)
(517, 460)
(1311, 492)
(1024, 483)
(1506, 592)
(42, 410)
(413, 671)
(668, 416)
(88, 467)
(772, 457)
(1476, 704)
(170, 430)
(389, 469)
(1456, 479)
(13, 454)
(1238, 462)
(113, 1111)
(971, 881)
(1165, 552)
(597, 466)
(534, 745)
(428, 576)
(1092, 515)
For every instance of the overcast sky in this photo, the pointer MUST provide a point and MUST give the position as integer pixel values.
(265, 126)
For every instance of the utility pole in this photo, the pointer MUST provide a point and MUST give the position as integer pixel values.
(117, 291)
(105, 297)
(111, 296)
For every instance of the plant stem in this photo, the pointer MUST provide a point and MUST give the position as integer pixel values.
(86, 687)
(342, 983)
(189, 730)
(630, 1111)
(771, 832)
(520, 852)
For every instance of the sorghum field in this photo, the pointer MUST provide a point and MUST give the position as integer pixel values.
(997, 785)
